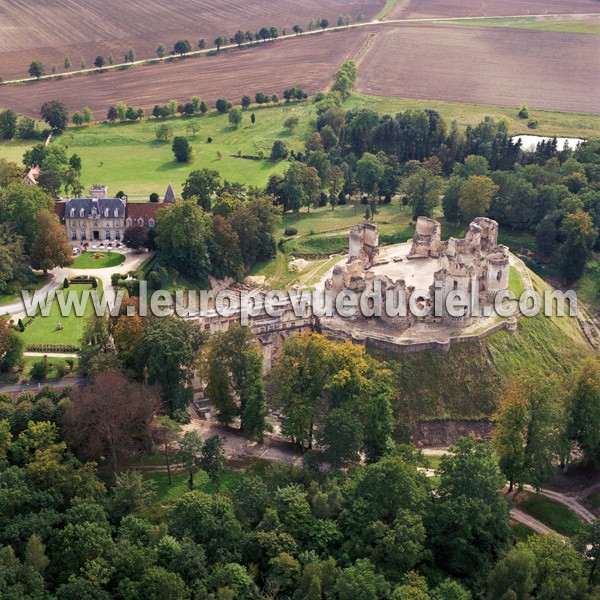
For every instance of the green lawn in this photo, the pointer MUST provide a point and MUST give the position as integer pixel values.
(565, 23)
(589, 285)
(127, 156)
(86, 260)
(521, 532)
(43, 330)
(551, 513)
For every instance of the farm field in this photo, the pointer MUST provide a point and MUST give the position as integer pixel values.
(418, 9)
(307, 62)
(85, 30)
(565, 23)
(484, 65)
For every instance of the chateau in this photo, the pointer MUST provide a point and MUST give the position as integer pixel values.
(101, 218)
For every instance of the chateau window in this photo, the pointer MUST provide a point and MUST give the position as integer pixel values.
(499, 276)
(151, 223)
(73, 224)
(117, 235)
(128, 222)
(140, 221)
(107, 224)
(72, 213)
(83, 235)
(106, 213)
(82, 212)
(107, 236)
(82, 223)
(74, 236)
(116, 213)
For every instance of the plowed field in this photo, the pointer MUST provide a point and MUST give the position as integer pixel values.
(49, 30)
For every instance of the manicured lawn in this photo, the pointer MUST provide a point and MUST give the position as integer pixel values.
(551, 513)
(86, 260)
(43, 330)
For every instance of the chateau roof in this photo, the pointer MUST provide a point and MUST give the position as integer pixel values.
(169, 195)
(32, 176)
(99, 204)
(143, 210)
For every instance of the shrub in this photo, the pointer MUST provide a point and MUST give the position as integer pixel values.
(209, 140)
(39, 370)
(66, 283)
(290, 231)
(94, 284)
(115, 279)
(532, 124)
(21, 326)
(154, 197)
(223, 105)
(523, 112)
(279, 151)
(61, 368)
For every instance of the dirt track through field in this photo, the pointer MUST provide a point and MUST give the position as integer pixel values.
(49, 30)
(417, 9)
(546, 70)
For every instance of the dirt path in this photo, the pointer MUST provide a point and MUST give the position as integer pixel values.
(571, 503)
(521, 517)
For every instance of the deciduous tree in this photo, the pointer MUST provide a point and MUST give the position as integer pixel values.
(51, 248)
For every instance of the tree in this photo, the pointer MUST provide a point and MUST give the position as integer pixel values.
(112, 114)
(235, 117)
(225, 256)
(99, 61)
(77, 119)
(255, 412)
(202, 44)
(361, 582)
(202, 185)
(297, 29)
(188, 453)
(136, 237)
(526, 438)
(112, 417)
(253, 118)
(219, 41)
(56, 114)
(88, 116)
(580, 235)
(212, 457)
(67, 63)
(183, 237)
(163, 132)
(182, 47)
(36, 69)
(301, 186)
(131, 55)
(279, 151)
(468, 520)
(583, 406)
(342, 435)
(423, 190)
(160, 50)
(369, 172)
(291, 122)
(223, 105)
(246, 101)
(51, 248)
(8, 124)
(323, 24)
(168, 347)
(182, 149)
(476, 197)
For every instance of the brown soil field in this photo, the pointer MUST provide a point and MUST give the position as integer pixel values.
(307, 62)
(423, 9)
(49, 30)
(507, 67)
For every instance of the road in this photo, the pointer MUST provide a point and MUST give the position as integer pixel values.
(34, 386)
